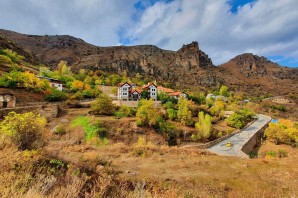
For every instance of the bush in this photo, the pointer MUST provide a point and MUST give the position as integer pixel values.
(55, 95)
(279, 108)
(23, 129)
(125, 111)
(59, 130)
(103, 105)
(5, 60)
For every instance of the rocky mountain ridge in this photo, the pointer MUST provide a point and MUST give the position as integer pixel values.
(187, 67)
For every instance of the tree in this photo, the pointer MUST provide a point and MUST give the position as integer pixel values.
(203, 126)
(284, 131)
(77, 85)
(236, 120)
(55, 95)
(23, 129)
(183, 113)
(103, 105)
(223, 91)
(172, 114)
(145, 94)
(147, 113)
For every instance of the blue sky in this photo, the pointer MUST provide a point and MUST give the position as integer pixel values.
(223, 28)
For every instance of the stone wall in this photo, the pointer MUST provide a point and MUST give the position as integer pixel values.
(49, 111)
(254, 141)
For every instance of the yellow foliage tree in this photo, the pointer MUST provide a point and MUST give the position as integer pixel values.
(77, 85)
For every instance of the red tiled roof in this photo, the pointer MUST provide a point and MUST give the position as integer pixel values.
(165, 90)
(148, 85)
(121, 84)
(134, 90)
(175, 93)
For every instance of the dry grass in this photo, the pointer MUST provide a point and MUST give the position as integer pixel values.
(141, 169)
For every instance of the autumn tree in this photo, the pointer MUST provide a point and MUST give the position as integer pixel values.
(103, 105)
(183, 113)
(147, 113)
(77, 85)
(284, 131)
(203, 126)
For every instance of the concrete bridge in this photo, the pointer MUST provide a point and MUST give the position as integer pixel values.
(244, 141)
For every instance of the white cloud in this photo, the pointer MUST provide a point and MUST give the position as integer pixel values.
(265, 27)
(96, 21)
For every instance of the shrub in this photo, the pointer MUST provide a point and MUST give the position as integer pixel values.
(5, 60)
(23, 129)
(59, 130)
(55, 95)
(279, 107)
(126, 111)
(103, 105)
(271, 154)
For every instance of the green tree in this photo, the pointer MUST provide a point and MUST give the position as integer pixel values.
(103, 105)
(223, 91)
(171, 114)
(145, 94)
(23, 129)
(236, 120)
(147, 113)
(203, 126)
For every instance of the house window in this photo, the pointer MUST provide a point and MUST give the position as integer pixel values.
(124, 94)
(153, 94)
(124, 89)
(153, 89)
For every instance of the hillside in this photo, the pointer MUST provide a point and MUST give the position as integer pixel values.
(188, 67)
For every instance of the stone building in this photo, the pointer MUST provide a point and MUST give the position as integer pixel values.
(7, 101)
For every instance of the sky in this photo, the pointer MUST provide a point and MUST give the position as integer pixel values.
(223, 28)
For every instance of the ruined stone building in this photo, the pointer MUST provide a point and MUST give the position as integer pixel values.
(7, 101)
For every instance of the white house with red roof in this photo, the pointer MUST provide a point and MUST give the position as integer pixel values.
(127, 91)
(152, 90)
(124, 90)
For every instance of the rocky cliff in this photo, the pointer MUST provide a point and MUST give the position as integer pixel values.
(189, 62)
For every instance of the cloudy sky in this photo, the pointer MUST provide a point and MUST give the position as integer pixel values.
(223, 28)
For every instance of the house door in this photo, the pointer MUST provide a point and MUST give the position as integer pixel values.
(5, 104)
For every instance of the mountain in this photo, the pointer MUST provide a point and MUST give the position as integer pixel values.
(188, 67)
(257, 74)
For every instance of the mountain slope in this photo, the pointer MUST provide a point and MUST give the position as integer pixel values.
(187, 63)
(258, 74)
(188, 67)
